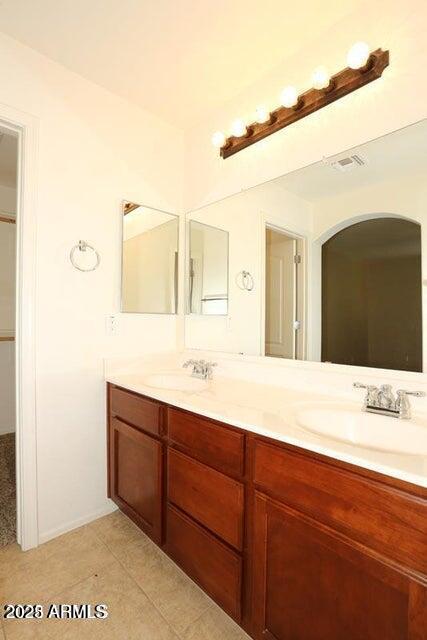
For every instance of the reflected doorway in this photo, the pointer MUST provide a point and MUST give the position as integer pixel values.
(371, 295)
(283, 295)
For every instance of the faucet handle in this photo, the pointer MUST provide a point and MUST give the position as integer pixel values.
(402, 402)
(360, 385)
(417, 394)
(208, 369)
(371, 393)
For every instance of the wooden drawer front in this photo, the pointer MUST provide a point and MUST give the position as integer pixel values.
(213, 499)
(210, 563)
(207, 441)
(136, 410)
(383, 518)
(136, 470)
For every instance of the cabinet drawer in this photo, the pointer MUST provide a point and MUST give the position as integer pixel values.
(386, 519)
(213, 499)
(211, 564)
(139, 411)
(207, 441)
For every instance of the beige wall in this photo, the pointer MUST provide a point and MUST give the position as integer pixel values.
(7, 278)
(7, 309)
(7, 318)
(94, 150)
(7, 200)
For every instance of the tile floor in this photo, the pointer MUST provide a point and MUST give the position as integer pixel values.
(108, 561)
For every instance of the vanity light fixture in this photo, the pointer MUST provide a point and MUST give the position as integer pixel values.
(262, 114)
(363, 68)
(289, 97)
(358, 55)
(238, 128)
(321, 78)
(218, 139)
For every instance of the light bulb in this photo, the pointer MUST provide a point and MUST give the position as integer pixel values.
(289, 97)
(218, 139)
(238, 128)
(262, 115)
(358, 55)
(321, 78)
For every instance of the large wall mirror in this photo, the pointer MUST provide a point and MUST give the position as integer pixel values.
(337, 255)
(149, 260)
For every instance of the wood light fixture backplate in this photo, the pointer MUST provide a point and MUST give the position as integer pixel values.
(341, 84)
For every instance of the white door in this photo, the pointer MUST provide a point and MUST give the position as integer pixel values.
(280, 311)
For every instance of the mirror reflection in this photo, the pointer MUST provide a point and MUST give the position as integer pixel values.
(207, 269)
(337, 255)
(149, 260)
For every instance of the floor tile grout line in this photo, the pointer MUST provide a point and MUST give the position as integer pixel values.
(148, 542)
(153, 604)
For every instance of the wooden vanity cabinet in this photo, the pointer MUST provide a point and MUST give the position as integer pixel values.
(336, 554)
(293, 545)
(311, 583)
(135, 477)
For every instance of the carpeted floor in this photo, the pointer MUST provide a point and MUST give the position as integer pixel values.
(7, 489)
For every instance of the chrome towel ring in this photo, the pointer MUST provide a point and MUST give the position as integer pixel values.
(245, 281)
(83, 246)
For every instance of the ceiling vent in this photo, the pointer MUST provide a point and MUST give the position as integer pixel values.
(349, 163)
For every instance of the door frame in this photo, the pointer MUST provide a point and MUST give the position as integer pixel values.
(275, 224)
(26, 128)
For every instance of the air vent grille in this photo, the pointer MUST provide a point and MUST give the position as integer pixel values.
(349, 163)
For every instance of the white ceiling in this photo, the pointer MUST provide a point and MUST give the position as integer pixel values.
(403, 152)
(177, 58)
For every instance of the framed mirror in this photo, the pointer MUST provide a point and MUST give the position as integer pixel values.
(338, 256)
(207, 269)
(149, 260)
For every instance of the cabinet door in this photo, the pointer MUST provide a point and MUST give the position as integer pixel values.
(311, 583)
(136, 476)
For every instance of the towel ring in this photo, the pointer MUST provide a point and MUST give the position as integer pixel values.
(245, 281)
(83, 246)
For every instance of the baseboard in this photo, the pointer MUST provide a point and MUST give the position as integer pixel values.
(75, 524)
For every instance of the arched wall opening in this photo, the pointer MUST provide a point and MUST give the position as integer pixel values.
(367, 293)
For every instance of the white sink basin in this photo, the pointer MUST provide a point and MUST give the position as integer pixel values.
(173, 381)
(368, 430)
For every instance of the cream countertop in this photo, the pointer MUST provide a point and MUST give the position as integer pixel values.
(269, 410)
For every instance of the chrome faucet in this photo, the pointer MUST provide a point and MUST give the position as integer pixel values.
(383, 401)
(201, 368)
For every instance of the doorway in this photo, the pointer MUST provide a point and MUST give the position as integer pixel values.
(371, 295)
(284, 299)
(8, 212)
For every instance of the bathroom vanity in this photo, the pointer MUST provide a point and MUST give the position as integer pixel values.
(269, 530)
